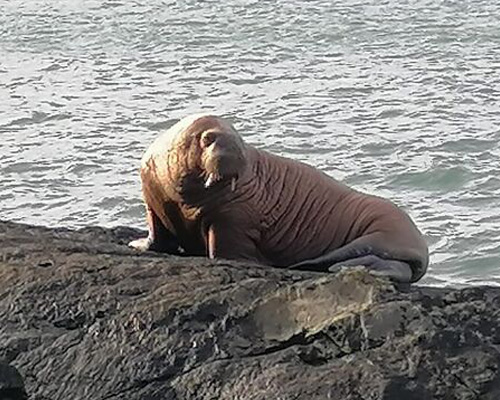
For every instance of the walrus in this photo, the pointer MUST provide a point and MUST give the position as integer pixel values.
(211, 194)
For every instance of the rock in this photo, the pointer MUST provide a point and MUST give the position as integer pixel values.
(84, 317)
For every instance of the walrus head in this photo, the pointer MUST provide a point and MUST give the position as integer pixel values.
(208, 148)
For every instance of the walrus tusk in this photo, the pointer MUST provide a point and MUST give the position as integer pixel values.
(233, 184)
(211, 242)
(210, 180)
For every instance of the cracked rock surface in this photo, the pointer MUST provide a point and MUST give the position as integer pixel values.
(84, 317)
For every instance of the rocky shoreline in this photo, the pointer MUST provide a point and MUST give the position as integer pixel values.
(84, 317)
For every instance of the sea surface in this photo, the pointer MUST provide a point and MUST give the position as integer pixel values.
(396, 98)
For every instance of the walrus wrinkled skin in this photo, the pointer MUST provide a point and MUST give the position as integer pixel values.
(211, 194)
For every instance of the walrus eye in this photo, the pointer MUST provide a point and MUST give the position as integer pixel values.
(207, 139)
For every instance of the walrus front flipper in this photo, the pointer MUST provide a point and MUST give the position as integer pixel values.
(159, 238)
(398, 271)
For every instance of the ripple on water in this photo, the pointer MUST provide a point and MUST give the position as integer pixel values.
(436, 179)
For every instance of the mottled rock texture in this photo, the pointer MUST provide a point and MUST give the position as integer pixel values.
(84, 317)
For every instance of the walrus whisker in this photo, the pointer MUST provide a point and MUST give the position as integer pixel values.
(233, 184)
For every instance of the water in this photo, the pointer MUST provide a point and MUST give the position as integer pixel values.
(396, 98)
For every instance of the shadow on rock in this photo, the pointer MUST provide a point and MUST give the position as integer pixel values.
(11, 383)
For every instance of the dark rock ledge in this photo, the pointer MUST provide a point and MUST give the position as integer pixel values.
(84, 317)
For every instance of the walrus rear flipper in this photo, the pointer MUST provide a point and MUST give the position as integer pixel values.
(363, 251)
(398, 271)
(357, 248)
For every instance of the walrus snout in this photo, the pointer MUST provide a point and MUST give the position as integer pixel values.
(223, 168)
(223, 157)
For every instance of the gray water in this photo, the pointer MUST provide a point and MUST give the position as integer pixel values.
(396, 98)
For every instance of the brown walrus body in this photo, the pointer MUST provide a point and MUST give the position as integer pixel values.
(223, 198)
